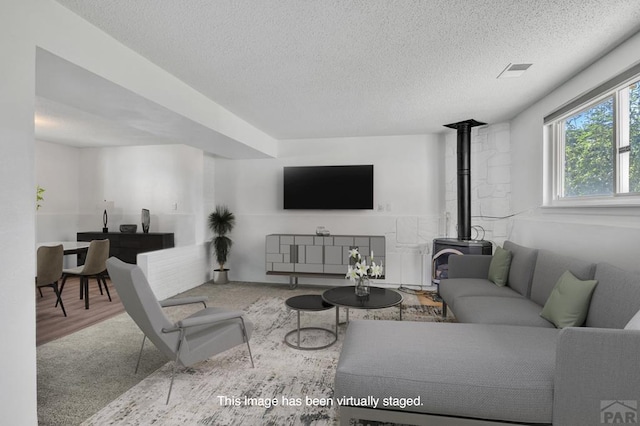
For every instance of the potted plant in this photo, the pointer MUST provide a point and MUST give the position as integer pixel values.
(221, 222)
(39, 196)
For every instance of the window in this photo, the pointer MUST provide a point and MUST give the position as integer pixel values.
(630, 143)
(595, 143)
(588, 164)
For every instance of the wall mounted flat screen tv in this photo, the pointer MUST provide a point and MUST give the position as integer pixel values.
(328, 187)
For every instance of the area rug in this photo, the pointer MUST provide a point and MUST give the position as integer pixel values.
(286, 387)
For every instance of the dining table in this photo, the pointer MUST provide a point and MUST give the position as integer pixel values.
(69, 247)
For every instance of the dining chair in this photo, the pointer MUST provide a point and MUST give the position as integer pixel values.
(95, 266)
(205, 333)
(49, 270)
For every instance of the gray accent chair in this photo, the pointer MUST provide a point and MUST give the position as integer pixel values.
(49, 270)
(94, 267)
(196, 338)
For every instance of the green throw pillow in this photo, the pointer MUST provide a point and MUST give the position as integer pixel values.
(568, 303)
(499, 267)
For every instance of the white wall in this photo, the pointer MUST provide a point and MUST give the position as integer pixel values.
(166, 179)
(17, 216)
(407, 181)
(607, 234)
(208, 193)
(176, 270)
(57, 171)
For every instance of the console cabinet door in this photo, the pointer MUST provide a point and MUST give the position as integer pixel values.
(310, 256)
(278, 253)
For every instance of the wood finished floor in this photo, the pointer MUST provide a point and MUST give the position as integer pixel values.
(51, 324)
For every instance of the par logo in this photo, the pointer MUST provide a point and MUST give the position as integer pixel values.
(619, 412)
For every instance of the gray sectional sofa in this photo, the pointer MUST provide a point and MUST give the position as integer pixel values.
(501, 361)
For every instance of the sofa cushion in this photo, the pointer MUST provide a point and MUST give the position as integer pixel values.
(453, 288)
(471, 370)
(568, 303)
(499, 310)
(549, 267)
(616, 298)
(469, 266)
(523, 262)
(499, 267)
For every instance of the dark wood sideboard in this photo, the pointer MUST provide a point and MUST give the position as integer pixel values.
(126, 246)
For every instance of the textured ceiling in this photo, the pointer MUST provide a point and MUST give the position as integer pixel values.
(331, 68)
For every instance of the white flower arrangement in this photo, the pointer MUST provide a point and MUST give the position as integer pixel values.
(361, 269)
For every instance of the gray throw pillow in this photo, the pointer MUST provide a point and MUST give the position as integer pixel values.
(499, 267)
(568, 303)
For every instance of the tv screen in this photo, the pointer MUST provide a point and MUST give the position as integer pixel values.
(328, 187)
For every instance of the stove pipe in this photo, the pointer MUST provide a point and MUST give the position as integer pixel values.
(464, 175)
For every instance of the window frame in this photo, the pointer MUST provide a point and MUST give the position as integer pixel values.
(554, 135)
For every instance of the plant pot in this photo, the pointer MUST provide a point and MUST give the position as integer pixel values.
(221, 276)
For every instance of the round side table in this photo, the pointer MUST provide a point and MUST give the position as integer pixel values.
(309, 303)
(378, 298)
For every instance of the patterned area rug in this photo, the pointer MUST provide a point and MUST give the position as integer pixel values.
(286, 387)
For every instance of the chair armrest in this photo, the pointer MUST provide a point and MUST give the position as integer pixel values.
(469, 266)
(594, 368)
(208, 319)
(184, 301)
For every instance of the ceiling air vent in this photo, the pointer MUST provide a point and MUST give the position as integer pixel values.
(514, 70)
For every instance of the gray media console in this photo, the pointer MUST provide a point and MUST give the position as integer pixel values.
(322, 256)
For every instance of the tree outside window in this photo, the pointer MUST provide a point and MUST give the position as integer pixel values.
(600, 147)
(588, 164)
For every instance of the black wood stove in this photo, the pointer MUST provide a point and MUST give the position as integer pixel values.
(444, 247)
